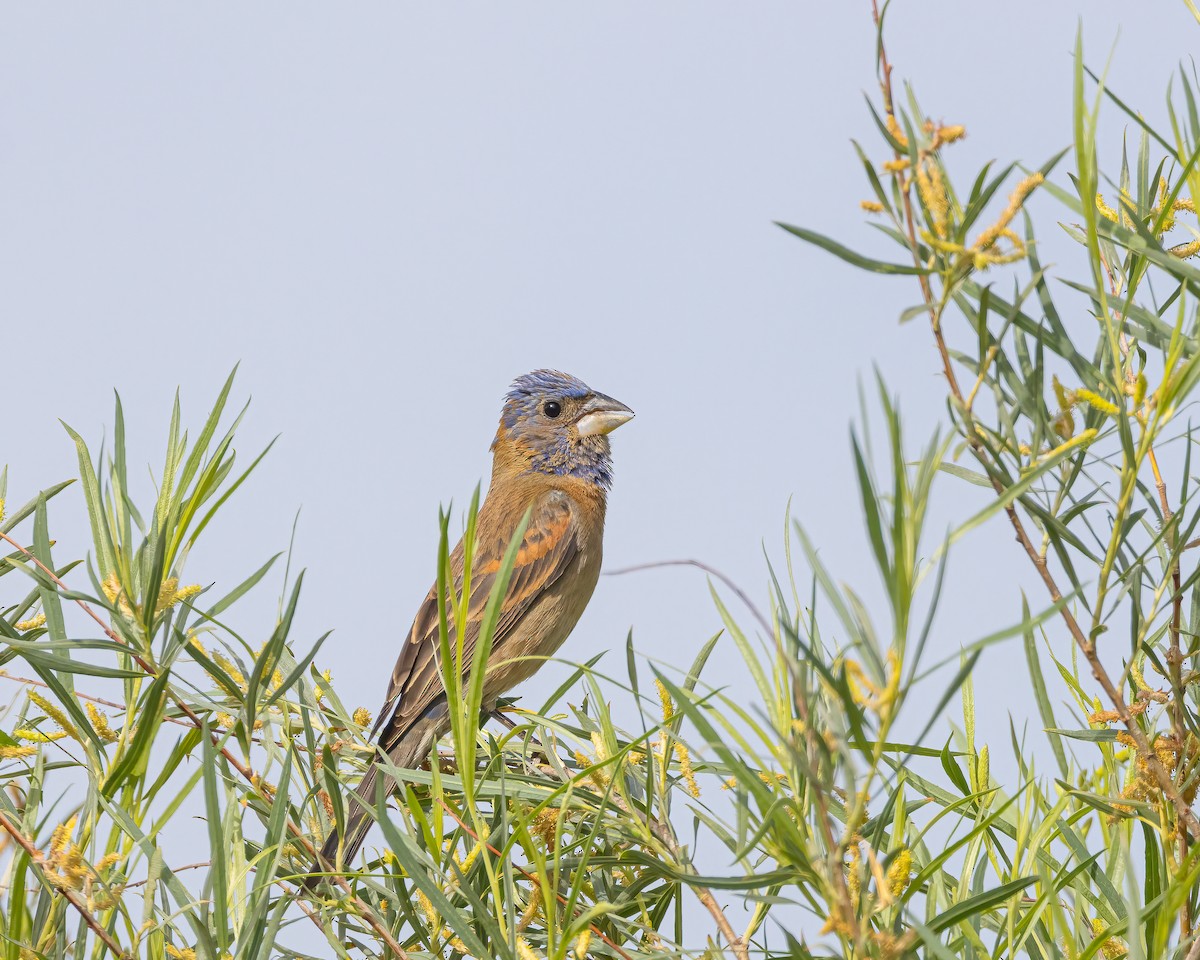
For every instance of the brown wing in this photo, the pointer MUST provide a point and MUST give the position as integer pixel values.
(550, 544)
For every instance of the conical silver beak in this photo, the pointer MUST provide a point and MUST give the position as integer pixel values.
(601, 415)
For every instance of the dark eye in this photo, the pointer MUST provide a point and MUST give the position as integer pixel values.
(552, 408)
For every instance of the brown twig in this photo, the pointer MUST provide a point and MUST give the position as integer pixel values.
(1175, 672)
(1086, 645)
(36, 856)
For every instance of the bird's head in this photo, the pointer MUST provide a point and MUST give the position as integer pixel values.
(555, 423)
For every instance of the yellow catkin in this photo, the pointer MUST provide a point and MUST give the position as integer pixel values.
(187, 953)
(871, 206)
(465, 863)
(525, 951)
(596, 774)
(599, 746)
(898, 873)
(100, 724)
(1097, 402)
(1081, 440)
(1016, 199)
(106, 861)
(37, 736)
(686, 771)
(318, 689)
(12, 753)
(582, 942)
(111, 587)
(861, 688)
(1139, 390)
(65, 866)
(435, 923)
(115, 594)
(932, 190)
(1105, 210)
(55, 713)
(1, 509)
(426, 907)
(664, 696)
(170, 593)
(950, 134)
(362, 717)
(1112, 947)
(893, 127)
(545, 824)
(897, 166)
(31, 624)
(1183, 251)
(531, 910)
(61, 837)
(166, 590)
(230, 668)
(853, 877)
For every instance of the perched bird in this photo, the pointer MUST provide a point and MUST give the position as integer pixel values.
(551, 458)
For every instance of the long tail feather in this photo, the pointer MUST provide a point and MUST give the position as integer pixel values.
(337, 850)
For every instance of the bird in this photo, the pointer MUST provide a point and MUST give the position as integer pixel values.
(551, 459)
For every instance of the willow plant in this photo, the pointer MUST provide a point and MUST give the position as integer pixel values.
(804, 820)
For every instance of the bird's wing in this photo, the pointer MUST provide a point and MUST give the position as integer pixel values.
(550, 543)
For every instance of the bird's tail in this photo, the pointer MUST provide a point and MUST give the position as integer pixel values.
(339, 851)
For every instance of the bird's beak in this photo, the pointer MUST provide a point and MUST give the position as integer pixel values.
(601, 415)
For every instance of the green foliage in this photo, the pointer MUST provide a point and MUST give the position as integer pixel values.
(824, 826)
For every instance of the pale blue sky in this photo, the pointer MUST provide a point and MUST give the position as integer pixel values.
(385, 212)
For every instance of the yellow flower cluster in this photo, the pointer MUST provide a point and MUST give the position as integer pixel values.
(36, 736)
(435, 924)
(170, 593)
(881, 699)
(1112, 947)
(64, 864)
(230, 668)
(1064, 420)
(115, 594)
(899, 872)
(100, 724)
(686, 770)
(1171, 754)
(889, 884)
(55, 713)
(24, 626)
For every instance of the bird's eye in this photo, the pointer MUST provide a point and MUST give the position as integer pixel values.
(552, 408)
